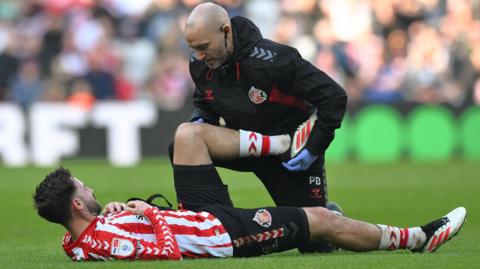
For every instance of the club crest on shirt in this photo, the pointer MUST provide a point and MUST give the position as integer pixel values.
(122, 247)
(263, 218)
(257, 96)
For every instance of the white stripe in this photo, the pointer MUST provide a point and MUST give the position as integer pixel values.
(215, 252)
(203, 240)
(112, 229)
(205, 225)
(180, 213)
(130, 219)
(100, 257)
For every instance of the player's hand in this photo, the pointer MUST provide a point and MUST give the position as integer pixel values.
(199, 120)
(301, 162)
(113, 207)
(137, 207)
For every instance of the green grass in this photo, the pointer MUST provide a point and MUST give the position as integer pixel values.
(400, 194)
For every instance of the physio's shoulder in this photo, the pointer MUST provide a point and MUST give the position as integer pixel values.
(268, 53)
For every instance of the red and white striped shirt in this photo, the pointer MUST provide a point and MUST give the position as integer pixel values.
(160, 235)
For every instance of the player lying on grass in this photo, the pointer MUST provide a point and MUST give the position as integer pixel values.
(137, 230)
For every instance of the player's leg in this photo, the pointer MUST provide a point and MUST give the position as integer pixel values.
(197, 182)
(222, 144)
(306, 188)
(262, 231)
(357, 235)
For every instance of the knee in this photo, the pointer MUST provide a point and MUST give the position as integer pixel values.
(321, 221)
(188, 132)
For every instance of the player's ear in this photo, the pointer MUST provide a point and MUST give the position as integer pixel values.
(77, 204)
(226, 29)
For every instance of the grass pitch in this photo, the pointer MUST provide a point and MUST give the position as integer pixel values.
(400, 194)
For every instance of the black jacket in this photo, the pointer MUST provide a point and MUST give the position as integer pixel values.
(267, 87)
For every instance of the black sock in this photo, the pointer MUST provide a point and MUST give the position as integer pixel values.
(198, 186)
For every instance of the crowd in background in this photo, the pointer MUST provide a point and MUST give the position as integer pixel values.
(390, 51)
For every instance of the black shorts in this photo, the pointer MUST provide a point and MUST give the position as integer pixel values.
(253, 232)
(261, 231)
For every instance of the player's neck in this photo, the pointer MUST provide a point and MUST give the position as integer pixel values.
(78, 224)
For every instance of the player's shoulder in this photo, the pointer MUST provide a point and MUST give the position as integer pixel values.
(268, 53)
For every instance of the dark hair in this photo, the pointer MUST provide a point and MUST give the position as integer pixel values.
(53, 196)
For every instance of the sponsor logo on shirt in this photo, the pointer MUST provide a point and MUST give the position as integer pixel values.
(208, 95)
(257, 96)
(122, 247)
(263, 218)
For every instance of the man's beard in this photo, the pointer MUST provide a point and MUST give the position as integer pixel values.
(93, 207)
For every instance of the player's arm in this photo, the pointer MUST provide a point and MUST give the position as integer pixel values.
(166, 247)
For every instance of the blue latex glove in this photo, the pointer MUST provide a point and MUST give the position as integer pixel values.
(199, 120)
(301, 162)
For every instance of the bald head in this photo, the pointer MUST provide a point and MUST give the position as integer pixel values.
(207, 16)
(208, 31)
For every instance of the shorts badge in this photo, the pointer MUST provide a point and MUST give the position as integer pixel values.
(257, 96)
(263, 218)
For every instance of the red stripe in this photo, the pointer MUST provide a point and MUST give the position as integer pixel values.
(221, 246)
(134, 227)
(440, 238)
(277, 97)
(195, 255)
(265, 145)
(186, 230)
(205, 215)
(403, 238)
(298, 142)
(447, 232)
(192, 218)
(303, 135)
(308, 129)
(238, 71)
(433, 244)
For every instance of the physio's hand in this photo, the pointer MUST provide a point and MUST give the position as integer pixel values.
(301, 162)
(199, 120)
(113, 207)
(137, 207)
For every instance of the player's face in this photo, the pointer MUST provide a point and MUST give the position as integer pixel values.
(208, 45)
(87, 196)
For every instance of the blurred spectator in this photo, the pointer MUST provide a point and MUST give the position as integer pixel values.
(8, 67)
(124, 88)
(420, 51)
(81, 96)
(102, 82)
(27, 87)
(170, 81)
(137, 52)
(51, 43)
(54, 92)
